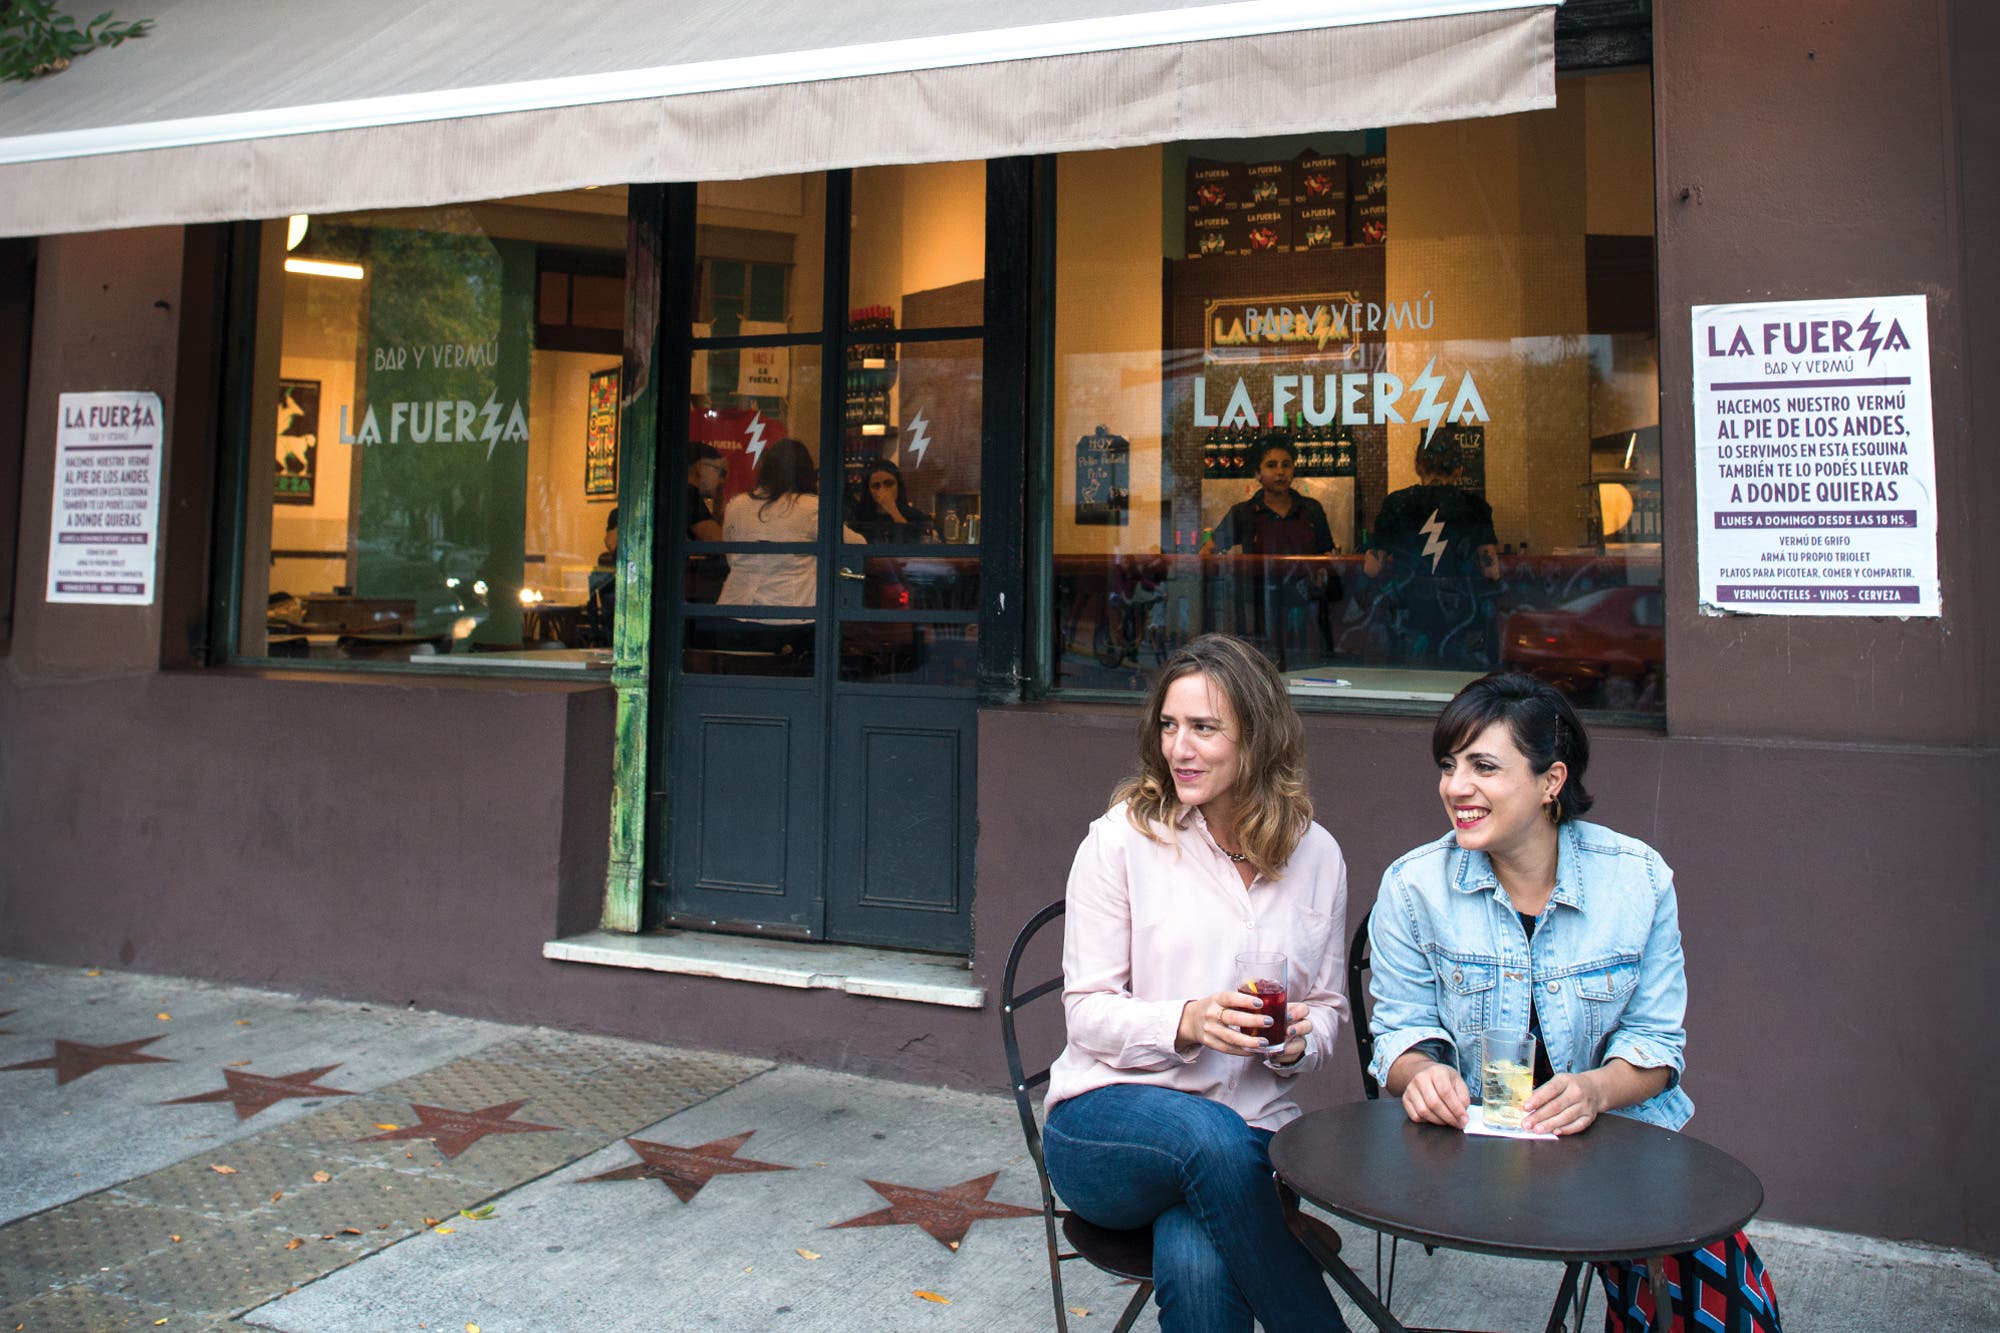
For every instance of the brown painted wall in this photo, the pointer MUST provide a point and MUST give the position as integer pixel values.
(1810, 150)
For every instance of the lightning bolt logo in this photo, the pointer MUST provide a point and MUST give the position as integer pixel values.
(754, 433)
(489, 429)
(1430, 411)
(1433, 530)
(1871, 335)
(918, 438)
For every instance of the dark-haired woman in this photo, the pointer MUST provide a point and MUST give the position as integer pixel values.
(1525, 917)
(782, 507)
(1164, 1101)
(883, 512)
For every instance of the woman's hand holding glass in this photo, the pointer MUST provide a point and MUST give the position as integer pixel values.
(1229, 1021)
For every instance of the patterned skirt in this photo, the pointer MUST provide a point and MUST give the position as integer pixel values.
(1720, 1289)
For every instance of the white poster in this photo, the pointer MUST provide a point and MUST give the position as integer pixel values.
(1815, 482)
(763, 372)
(104, 527)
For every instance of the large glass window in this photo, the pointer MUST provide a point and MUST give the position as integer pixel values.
(1385, 402)
(438, 398)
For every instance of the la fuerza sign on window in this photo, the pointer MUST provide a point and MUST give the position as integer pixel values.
(1815, 477)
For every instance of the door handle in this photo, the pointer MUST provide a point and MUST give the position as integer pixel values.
(854, 574)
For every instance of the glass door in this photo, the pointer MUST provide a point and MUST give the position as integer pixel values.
(819, 755)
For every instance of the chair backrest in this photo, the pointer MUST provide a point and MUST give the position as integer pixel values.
(1013, 998)
(1358, 963)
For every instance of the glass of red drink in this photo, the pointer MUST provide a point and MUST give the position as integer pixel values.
(1262, 977)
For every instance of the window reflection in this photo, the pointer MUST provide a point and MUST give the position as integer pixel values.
(445, 441)
(1396, 416)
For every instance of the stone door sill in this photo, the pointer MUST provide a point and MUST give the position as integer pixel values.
(887, 974)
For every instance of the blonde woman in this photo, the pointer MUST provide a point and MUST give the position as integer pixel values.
(1162, 1105)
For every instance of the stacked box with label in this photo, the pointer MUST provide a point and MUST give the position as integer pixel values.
(1267, 217)
(1368, 198)
(1319, 201)
(1216, 195)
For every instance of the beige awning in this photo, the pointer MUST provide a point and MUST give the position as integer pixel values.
(230, 110)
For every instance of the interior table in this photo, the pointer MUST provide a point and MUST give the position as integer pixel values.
(1622, 1189)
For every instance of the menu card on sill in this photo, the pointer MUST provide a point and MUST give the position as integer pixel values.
(1475, 1123)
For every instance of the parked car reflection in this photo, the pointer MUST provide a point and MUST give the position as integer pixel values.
(1606, 648)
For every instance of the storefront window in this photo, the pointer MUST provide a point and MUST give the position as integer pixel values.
(1385, 402)
(442, 424)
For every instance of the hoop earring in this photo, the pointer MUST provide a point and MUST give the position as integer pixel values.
(1554, 809)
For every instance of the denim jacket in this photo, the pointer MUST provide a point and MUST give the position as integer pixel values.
(1451, 959)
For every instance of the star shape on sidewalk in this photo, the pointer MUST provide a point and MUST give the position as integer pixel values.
(252, 1093)
(947, 1214)
(453, 1131)
(686, 1170)
(74, 1059)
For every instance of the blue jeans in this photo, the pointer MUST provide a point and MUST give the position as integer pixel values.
(1129, 1154)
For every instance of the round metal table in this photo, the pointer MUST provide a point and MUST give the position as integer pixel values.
(1619, 1190)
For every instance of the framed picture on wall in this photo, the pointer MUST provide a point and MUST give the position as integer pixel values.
(296, 458)
(600, 435)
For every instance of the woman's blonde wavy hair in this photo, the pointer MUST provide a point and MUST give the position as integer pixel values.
(1273, 810)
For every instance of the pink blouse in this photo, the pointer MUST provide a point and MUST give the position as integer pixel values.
(1153, 925)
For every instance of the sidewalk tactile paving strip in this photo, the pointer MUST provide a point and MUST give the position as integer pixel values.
(614, 1103)
(364, 1197)
(232, 1270)
(260, 1170)
(74, 1242)
(81, 1307)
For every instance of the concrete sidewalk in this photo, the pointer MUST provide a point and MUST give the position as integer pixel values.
(192, 1156)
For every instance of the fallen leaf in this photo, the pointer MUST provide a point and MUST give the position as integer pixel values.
(158, 1322)
(175, 1239)
(92, 972)
(431, 1221)
(386, 1126)
(350, 1231)
(805, 1254)
(221, 1170)
(952, 1243)
(243, 1022)
(279, 1195)
(327, 1236)
(236, 1064)
(931, 1296)
(472, 1328)
(295, 1242)
(165, 1018)
(1079, 1312)
(321, 1177)
(477, 1214)
(441, 1231)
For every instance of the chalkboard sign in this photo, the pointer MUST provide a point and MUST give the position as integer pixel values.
(1103, 478)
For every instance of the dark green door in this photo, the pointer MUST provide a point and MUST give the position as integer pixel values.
(815, 763)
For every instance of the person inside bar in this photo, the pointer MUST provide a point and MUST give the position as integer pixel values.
(882, 512)
(1435, 555)
(1279, 521)
(782, 507)
(1162, 1105)
(705, 477)
(1523, 917)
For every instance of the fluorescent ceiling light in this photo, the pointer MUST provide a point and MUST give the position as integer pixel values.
(324, 268)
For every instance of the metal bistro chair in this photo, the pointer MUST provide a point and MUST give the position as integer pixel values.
(1358, 971)
(1126, 1254)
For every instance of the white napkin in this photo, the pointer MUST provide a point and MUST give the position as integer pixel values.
(1475, 1123)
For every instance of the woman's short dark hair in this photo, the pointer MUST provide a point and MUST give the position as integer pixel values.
(1544, 727)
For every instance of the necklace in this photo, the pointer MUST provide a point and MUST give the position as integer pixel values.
(1238, 857)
